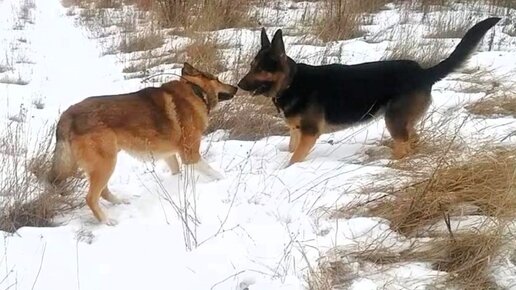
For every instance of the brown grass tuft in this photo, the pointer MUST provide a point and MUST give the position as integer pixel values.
(485, 182)
(329, 275)
(341, 19)
(500, 105)
(199, 15)
(467, 258)
(204, 52)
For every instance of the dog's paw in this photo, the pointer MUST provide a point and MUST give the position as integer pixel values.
(122, 201)
(114, 199)
(110, 222)
(215, 176)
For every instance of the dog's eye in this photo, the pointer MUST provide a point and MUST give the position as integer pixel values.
(270, 65)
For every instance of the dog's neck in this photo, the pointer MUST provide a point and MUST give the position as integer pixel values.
(283, 83)
(198, 91)
(201, 93)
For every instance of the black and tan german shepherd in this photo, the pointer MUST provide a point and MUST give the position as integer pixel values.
(311, 97)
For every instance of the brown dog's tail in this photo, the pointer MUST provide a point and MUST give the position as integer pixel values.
(461, 53)
(63, 162)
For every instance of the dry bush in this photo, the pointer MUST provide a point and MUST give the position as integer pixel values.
(199, 15)
(482, 184)
(143, 4)
(501, 3)
(103, 4)
(500, 98)
(467, 258)
(450, 25)
(485, 182)
(203, 52)
(140, 42)
(329, 275)
(492, 106)
(25, 198)
(341, 19)
(248, 118)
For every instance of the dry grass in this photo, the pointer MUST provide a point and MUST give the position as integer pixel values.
(467, 258)
(486, 182)
(500, 99)
(450, 25)
(198, 15)
(493, 106)
(140, 42)
(329, 275)
(426, 53)
(483, 184)
(341, 19)
(248, 118)
(25, 199)
(203, 52)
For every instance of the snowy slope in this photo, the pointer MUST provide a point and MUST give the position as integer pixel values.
(259, 227)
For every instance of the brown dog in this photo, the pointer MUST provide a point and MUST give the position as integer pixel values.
(153, 122)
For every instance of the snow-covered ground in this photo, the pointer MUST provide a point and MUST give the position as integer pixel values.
(259, 228)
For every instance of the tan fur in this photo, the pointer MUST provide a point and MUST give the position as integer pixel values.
(414, 113)
(301, 143)
(151, 123)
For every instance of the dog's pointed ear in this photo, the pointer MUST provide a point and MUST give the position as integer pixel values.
(278, 47)
(265, 39)
(189, 70)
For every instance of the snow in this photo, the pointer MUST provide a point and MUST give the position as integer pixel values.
(261, 227)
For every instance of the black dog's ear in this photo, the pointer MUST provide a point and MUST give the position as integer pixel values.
(189, 70)
(265, 39)
(278, 47)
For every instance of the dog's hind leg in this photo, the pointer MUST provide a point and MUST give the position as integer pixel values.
(98, 158)
(401, 118)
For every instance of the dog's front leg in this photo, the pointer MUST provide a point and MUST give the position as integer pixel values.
(190, 156)
(306, 143)
(173, 164)
(294, 139)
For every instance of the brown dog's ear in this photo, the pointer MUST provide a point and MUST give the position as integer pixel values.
(278, 47)
(265, 39)
(189, 70)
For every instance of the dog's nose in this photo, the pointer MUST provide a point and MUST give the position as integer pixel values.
(242, 84)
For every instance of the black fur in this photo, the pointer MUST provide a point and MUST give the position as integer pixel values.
(347, 94)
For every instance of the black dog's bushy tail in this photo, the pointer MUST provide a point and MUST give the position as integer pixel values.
(461, 53)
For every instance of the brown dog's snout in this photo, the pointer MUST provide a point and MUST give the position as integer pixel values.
(234, 90)
(224, 96)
